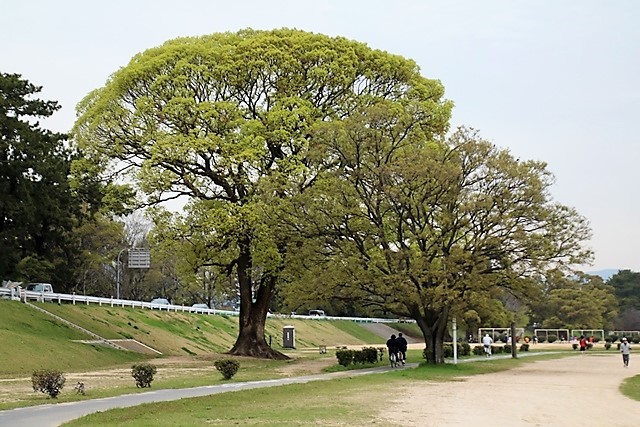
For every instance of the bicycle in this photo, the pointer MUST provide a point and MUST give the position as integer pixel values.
(393, 358)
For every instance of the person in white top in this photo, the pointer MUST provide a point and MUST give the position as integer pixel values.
(486, 342)
(625, 349)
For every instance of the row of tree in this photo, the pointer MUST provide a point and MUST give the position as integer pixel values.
(315, 171)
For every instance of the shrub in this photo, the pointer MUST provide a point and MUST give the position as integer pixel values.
(143, 374)
(359, 356)
(575, 346)
(552, 338)
(345, 357)
(541, 339)
(608, 339)
(614, 338)
(635, 339)
(227, 367)
(48, 381)
(589, 345)
(370, 354)
(506, 348)
(478, 350)
(524, 347)
(607, 345)
(447, 350)
(464, 349)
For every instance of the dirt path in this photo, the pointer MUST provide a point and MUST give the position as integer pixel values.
(573, 391)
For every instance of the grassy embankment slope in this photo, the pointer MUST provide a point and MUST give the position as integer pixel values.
(32, 340)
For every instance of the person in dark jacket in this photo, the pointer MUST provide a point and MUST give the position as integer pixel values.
(401, 343)
(392, 348)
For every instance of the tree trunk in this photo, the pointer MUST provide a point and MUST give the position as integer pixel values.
(253, 315)
(434, 326)
(251, 340)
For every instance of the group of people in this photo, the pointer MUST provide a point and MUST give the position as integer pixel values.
(397, 348)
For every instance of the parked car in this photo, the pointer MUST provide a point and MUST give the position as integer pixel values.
(160, 301)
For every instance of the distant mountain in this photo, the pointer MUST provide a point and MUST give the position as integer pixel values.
(605, 274)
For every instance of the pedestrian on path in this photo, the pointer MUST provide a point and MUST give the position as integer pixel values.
(486, 342)
(625, 349)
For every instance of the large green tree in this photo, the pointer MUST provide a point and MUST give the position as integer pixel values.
(37, 206)
(428, 229)
(626, 284)
(579, 301)
(227, 121)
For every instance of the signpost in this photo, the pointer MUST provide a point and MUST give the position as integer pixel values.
(138, 258)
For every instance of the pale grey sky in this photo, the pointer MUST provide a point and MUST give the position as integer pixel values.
(557, 81)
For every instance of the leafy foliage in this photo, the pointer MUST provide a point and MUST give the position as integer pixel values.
(345, 356)
(227, 367)
(49, 381)
(143, 374)
(229, 121)
(578, 302)
(427, 228)
(38, 208)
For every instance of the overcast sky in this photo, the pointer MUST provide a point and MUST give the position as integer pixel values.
(557, 81)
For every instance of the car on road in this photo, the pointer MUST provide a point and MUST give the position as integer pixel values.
(43, 288)
(200, 306)
(316, 312)
(160, 301)
(40, 287)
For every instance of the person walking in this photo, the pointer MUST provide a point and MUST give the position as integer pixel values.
(401, 343)
(486, 342)
(625, 349)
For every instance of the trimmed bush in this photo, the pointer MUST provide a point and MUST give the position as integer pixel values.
(227, 367)
(370, 354)
(345, 357)
(478, 350)
(524, 347)
(635, 339)
(143, 374)
(552, 338)
(48, 381)
(607, 345)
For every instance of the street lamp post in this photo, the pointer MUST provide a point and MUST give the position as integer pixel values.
(118, 274)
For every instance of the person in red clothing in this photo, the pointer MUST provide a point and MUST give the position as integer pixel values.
(583, 343)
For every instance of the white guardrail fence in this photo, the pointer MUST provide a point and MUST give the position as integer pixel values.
(113, 302)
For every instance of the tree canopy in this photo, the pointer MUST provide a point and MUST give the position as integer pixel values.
(428, 228)
(38, 208)
(231, 121)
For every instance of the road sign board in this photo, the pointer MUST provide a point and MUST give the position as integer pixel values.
(139, 258)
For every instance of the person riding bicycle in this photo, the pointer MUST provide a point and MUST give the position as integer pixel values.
(401, 343)
(392, 348)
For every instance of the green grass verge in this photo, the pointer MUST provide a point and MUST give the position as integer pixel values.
(347, 401)
(631, 387)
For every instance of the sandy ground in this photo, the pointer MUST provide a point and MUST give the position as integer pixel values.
(575, 391)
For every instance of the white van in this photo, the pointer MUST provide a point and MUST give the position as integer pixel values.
(40, 287)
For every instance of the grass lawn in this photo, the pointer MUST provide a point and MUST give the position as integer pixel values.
(631, 387)
(339, 402)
